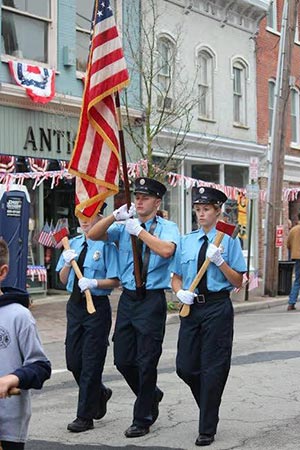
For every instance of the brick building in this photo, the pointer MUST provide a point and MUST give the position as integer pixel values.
(267, 49)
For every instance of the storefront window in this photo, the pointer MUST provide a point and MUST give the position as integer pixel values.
(206, 172)
(236, 209)
(25, 29)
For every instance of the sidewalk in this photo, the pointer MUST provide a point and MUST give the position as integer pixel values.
(49, 311)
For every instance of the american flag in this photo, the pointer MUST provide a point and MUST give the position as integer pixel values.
(95, 158)
(46, 236)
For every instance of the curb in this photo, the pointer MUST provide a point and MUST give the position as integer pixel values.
(242, 307)
(172, 318)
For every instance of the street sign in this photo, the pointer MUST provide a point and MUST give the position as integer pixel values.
(279, 236)
(252, 191)
(253, 172)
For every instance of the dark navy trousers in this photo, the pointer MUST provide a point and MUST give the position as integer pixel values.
(204, 356)
(86, 348)
(138, 337)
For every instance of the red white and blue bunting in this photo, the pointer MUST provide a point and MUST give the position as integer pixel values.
(39, 82)
(137, 169)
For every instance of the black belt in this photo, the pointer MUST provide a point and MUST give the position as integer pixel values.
(134, 295)
(204, 298)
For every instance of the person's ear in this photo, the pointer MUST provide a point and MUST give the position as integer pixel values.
(3, 271)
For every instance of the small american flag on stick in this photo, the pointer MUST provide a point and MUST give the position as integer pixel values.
(95, 159)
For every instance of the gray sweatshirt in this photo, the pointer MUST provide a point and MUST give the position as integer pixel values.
(21, 353)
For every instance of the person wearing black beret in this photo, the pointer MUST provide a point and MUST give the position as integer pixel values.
(205, 335)
(141, 315)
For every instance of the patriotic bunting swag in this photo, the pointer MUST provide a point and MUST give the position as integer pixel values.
(39, 82)
(95, 159)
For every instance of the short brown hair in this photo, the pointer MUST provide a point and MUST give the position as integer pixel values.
(4, 252)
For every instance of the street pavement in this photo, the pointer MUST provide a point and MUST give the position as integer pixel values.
(265, 343)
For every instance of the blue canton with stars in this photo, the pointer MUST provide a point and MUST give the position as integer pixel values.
(104, 10)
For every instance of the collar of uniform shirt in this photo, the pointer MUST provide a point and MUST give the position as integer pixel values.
(149, 222)
(210, 235)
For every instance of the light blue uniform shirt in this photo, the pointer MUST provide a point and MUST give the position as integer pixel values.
(101, 262)
(159, 272)
(186, 259)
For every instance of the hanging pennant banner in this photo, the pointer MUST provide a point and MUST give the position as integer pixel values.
(39, 82)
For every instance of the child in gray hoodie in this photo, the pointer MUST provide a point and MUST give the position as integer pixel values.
(23, 361)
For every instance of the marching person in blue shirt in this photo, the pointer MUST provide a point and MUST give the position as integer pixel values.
(87, 334)
(205, 335)
(141, 316)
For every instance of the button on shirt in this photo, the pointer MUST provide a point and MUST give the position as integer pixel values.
(185, 262)
(101, 262)
(159, 272)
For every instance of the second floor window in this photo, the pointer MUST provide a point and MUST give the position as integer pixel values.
(84, 14)
(239, 94)
(25, 29)
(205, 85)
(271, 104)
(295, 116)
(166, 59)
(272, 15)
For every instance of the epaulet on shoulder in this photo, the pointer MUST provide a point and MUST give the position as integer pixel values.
(76, 237)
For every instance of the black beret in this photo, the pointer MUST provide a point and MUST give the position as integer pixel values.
(208, 195)
(149, 186)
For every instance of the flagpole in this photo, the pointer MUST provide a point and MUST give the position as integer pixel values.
(137, 272)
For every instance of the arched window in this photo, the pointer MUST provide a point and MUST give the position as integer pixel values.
(295, 116)
(271, 101)
(239, 70)
(166, 65)
(205, 64)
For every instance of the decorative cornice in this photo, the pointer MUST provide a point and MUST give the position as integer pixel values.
(242, 14)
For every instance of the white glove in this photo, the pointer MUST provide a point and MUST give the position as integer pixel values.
(186, 297)
(123, 213)
(214, 254)
(68, 256)
(133, 226)
(87, 283)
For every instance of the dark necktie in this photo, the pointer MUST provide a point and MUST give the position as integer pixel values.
(76, 293)
(139, 245)
(202, 286)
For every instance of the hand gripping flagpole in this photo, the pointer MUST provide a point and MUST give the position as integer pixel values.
(137, 272)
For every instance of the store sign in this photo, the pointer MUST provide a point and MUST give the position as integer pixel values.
(252, 191)
(49, 140)
(253, 172)
(279, 236)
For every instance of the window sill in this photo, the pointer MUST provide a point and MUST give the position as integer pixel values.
(80, 75)
(206, 119)
(240, 125)
(7, 58)
(294, 146)
(273, 31)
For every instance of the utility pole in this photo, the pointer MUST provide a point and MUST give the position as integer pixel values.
(278, 144)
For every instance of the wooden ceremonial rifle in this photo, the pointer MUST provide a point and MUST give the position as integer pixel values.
(137, 271)
(62, 236)
(222, 229)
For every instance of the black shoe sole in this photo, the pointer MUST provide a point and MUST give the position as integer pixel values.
(135, 435)
(81, 430)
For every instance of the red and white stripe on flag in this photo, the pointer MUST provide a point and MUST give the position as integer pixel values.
(95, 158)
(39, 82)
